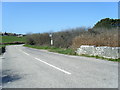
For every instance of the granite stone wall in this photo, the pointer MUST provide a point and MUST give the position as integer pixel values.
(103, 51)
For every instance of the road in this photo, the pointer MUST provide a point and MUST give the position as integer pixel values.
(24, 67)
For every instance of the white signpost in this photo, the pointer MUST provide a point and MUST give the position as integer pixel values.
(51, 42)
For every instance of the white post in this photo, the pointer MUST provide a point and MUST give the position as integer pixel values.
(51, 41)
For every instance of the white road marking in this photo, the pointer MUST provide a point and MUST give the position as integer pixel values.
(66, 72)
(53, 66)
(24, 52)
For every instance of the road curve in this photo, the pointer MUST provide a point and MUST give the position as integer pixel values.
(24, 67)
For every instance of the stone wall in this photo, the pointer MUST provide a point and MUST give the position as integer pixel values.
(103, 51)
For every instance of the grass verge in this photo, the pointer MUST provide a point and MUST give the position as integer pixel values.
(97, 57)
(67, 51)
(54, 49)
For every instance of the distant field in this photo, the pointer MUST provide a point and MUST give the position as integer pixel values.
(10, 39)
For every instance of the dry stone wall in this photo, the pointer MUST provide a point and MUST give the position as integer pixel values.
(103, 51)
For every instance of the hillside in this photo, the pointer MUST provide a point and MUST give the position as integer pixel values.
(107, 23)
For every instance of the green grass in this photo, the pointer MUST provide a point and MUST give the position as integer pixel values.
(54, 49)
(0, 46)
(63, 51)
(10, 39)
(97, 57)
(68, 51)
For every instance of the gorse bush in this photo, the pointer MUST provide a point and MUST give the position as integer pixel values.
(38, 39)
(77, 37)
(104, 33)
(106, 38)
(64, 39)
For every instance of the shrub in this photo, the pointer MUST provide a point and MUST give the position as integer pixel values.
(106, 38)
(38, 39)
(63, 39)
(2, 49)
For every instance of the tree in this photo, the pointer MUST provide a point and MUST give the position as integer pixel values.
(107, 23)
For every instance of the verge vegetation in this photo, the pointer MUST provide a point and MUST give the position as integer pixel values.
(107, 38)
(67, 51)
(2, 49)
(54, 49)
(97, 57)
(104, 33)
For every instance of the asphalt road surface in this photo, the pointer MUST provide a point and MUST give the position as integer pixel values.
(24, 67)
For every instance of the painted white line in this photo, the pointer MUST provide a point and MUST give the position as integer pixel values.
(24, 52)
(66, 72)
(53, 66)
